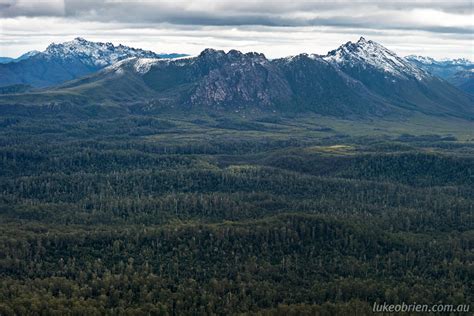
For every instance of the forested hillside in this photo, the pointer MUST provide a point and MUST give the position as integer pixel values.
(273, 215)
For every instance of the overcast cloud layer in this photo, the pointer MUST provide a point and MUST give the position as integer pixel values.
(276, 28)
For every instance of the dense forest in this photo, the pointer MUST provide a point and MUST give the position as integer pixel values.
(183, 215)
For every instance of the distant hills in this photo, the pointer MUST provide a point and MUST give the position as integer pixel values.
(358, 79)
(459, 71)
(6, 60)
(67, 61)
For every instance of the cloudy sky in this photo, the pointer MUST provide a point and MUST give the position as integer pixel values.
(277, 28)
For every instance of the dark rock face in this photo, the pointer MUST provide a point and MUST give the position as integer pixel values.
(236, 79)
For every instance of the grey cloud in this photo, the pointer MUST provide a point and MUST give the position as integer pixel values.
(14, 8)
(355, 14)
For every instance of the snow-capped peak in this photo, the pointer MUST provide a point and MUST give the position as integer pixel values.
(368, 53)
(95, 53)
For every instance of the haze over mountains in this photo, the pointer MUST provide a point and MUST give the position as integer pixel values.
(361, 78)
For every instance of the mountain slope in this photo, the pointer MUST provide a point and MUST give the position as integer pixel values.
(464, 80)
(67, 61)
(5, 60)
(318, 86)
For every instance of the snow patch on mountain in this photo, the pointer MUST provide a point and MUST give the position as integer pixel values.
(143, 65)
(119, 67)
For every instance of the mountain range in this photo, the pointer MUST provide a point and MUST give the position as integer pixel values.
(458, 72)
(67, 61)
(357, 79)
